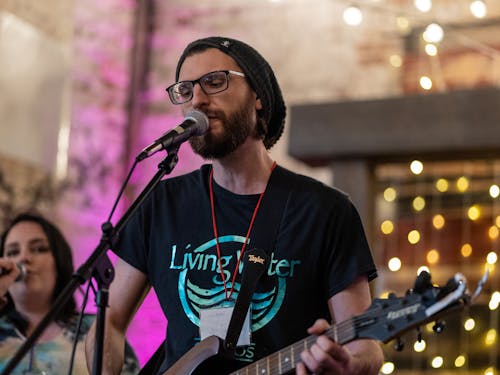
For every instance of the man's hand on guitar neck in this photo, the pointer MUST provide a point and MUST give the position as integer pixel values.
(326, 357)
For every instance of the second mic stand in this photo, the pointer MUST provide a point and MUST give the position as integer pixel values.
(99, 267)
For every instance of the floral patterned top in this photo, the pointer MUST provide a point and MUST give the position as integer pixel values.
(53, 357)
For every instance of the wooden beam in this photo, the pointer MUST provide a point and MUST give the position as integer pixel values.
(458, 124)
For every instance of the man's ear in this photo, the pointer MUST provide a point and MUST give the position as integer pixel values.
(258, 104)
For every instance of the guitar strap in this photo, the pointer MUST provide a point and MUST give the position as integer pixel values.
(264, 236)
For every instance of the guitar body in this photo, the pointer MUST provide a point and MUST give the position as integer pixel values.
(207, 358)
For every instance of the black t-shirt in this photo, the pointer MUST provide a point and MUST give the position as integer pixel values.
(311, 232)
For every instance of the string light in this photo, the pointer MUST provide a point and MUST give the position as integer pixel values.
(423, 268)
(466, 250)
(492, 257)
(438, 221)
(431, 49)
(425, 82)
(390, 194)
(469, 324)
(418, 203)
(460, 361)
(387, 368)
(396, 61)
(478, 8)
(442, 185)
(493, 232)
(474, 212)
(433, 33)
(432, 256)
(491, 337)
(353, 16)
(494, 191)
(419, 346)
(394, 264)
(494, 300)
(416, 167)
(414, 237)
(462, 184)
(423, 5)
(437, 361)
(387, 227)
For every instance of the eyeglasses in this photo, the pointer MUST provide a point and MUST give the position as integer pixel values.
(211, 83)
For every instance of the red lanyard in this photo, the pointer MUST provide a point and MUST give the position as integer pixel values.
(243, 247)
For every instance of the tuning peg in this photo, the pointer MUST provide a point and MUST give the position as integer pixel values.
(399, 345)
(438, 326)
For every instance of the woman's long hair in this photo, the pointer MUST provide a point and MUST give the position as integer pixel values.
(63, 258)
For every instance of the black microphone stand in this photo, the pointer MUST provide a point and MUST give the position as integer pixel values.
(98, 266)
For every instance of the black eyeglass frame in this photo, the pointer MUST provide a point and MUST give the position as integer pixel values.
(171, 93)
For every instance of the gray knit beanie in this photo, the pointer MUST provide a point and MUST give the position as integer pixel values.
(259, 75)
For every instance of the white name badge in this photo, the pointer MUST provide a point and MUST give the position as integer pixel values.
(216, 322)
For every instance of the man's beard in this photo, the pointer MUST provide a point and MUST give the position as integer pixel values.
(237, 127)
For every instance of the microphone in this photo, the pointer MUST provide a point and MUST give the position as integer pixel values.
(22, 272)
(195, 123)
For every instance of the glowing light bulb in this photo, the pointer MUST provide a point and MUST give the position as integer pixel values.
(494, 191)
(462, 184)
(419, 346)
(469, 324)
(460, 361)
(387, 368)
(414, 236)
(416, 167)
(493, 232)
(474, 212)
(491, 337)
(442, 185)
(387, 227)
(390, 194)
(492, 257)
(396, 61)
(423, 268)
(478, 8)
(353, 16)
(433, 33)
(494, 301)
(394, 264)
(425, 82)
(423, 5)
(438, 221)
(437, 361)
(432, 256)
(466, 250)
(431, 49)
(418, 203)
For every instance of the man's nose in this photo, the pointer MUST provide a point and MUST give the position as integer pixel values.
(199, 96)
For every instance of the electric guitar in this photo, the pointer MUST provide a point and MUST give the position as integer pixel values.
(385, 320)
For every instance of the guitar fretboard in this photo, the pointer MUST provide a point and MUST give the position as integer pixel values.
(285, 359)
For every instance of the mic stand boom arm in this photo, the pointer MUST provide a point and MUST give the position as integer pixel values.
(98, 266)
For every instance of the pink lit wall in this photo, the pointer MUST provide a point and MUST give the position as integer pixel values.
(100, 151)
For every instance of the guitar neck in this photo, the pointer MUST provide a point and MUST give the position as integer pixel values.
(285, 359)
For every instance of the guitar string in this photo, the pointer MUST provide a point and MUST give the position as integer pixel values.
(345, 328)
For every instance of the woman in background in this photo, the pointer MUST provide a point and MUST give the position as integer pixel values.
(46, 257)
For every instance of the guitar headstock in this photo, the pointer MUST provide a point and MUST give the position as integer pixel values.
(389, 318)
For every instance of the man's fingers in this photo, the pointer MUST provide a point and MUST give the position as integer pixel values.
(319, 326)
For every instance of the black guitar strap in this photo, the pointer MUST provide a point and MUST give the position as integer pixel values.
(264, 236)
